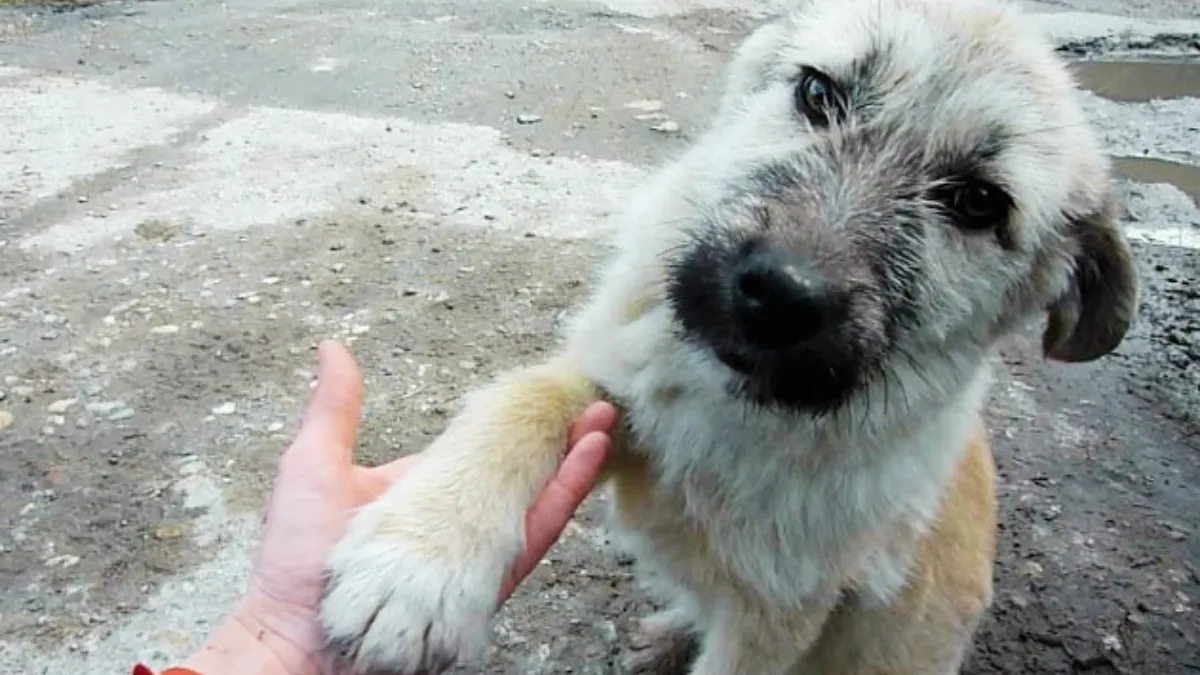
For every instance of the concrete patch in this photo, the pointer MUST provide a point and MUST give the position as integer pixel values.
(1162, 128)
(176, 620)
(1105, 32)
(199, 490)
(58, 129)
(275, 165)
(660, 8)
(1162, 214)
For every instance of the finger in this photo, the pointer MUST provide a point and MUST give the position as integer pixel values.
(331, 417)
(545, 520)
(598, 416)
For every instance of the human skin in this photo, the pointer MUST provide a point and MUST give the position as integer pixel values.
(273, 629)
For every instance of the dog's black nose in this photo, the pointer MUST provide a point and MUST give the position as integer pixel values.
(778, 300)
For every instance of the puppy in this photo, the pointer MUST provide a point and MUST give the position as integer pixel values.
(797, 325)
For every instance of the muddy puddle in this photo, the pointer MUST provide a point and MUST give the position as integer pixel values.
(1139, 81)
(1153, 170)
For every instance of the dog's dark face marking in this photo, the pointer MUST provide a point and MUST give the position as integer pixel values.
(828, 304)
(886, 179)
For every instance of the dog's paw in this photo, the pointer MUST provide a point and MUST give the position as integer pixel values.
(407, 594)
(663, 644)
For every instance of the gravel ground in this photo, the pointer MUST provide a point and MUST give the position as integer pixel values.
(193, 194)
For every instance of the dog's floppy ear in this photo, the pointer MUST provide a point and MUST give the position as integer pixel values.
(1092, 317)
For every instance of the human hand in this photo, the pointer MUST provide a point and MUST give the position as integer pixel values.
(317, 489)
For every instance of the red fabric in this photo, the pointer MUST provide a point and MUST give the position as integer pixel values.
(140, 669)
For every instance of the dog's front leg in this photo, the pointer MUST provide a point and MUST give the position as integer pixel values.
(412, 585)
(745, 638)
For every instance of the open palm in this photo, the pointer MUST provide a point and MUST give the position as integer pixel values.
(319, 487)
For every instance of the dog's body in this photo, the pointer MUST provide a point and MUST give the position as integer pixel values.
(797, 326)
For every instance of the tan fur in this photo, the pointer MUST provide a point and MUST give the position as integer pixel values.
(950, 589)
(784, 540)
(938, 611)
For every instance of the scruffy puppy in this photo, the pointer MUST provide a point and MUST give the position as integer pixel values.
(797, 325)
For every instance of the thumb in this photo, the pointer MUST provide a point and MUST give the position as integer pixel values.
(332, 414)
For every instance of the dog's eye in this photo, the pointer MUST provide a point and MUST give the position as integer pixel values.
(980, 205)
(817, 97)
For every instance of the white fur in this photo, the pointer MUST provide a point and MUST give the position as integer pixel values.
(415, 582)
(785, 502)
(702, 440)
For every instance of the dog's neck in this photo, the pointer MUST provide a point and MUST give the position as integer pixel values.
(679, 402)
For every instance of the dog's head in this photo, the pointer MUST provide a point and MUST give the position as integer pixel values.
(894, 182)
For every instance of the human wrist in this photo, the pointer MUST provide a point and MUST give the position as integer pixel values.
(248, 643)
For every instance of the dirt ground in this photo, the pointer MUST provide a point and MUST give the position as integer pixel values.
(148, 382)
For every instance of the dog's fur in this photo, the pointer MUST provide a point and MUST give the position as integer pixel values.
(824, 507)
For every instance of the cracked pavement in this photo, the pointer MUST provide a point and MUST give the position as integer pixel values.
(193, 194)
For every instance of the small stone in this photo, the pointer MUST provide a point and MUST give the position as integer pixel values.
(1112, 643)
(168, 531)
(104, 407)
(165, 330)
(225, 409)
(668, 127)
(50, 335)
(645, 105)
(6, 419)
(528, 118)
(122, 414)
(359, 330)
(274, 427)
(61, 406)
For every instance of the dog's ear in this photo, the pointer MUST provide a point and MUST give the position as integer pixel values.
(1092, 317)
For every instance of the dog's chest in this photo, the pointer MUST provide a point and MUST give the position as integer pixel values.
(713, 495)
(756, 495)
